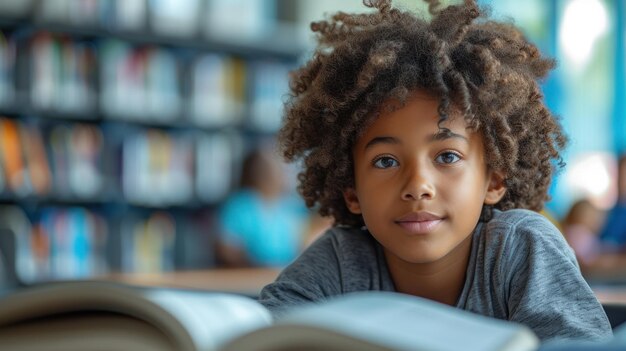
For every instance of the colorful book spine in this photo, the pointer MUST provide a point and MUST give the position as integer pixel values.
(7, 70)
(148, 243)
(12, 156)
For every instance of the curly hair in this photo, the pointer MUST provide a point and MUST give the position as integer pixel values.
(483, 68)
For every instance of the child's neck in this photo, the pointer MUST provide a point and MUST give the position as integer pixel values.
(440, 281)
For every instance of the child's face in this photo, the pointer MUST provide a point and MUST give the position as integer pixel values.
(421, 192)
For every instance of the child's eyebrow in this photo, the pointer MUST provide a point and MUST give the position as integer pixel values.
(447, 134)
(382, 140)
(440, 135)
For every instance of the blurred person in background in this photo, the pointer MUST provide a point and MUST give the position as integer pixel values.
(261, 223)
(614, 231)
(581, 227)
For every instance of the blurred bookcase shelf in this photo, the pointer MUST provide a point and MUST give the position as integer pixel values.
(275, 45)
(123, 125)
(19, 111)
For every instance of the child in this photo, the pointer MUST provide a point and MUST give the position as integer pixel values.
(430, 146)
(597, 260)
(581, 227)
(261, 225)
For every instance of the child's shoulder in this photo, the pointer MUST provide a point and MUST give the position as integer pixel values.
(518, 217)
(519, 234)
(522, 227)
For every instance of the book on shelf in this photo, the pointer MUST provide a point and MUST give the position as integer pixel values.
(62, 76)
(269, 84)
(11, 156)
(23, 162)
(63, 243)
(216, 157)
(239, 20)
(157, 168)
(35, 160)
(175, 18)
(7, 67)
(90, 315)
(148, 244)
(217, 96)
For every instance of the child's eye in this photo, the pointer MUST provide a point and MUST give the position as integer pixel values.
(385, 162)
(447, 157)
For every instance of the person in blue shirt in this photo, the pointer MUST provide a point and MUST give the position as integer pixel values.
(614, 231)
(261, 224)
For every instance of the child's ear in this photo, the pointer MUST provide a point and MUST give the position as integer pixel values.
(352, 201)
(496, 189)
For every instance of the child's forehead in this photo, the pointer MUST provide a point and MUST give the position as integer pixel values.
(429, 104)
(421, 124)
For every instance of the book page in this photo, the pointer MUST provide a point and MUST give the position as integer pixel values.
(389, 321)
(85, 332)
(191, 320)
(212, 319)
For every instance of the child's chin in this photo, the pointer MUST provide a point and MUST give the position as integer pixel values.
(422, 257)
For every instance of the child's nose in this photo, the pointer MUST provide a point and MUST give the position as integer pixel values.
(418, 185)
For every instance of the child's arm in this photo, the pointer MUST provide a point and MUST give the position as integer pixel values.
(312, 277)
(546, 290)
(341, 261)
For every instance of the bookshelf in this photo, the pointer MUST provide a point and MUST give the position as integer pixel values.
(123, 125)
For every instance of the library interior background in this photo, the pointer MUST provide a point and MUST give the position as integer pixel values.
(132, 131)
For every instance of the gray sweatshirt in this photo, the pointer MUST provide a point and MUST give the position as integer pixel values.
(520, 269)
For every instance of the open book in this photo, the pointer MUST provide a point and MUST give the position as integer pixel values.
(91, 315)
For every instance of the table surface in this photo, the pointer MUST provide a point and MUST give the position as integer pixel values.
(246, 281)
(250, 281)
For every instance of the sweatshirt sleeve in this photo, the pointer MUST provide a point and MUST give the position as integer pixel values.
(546, 290)
(312, 277)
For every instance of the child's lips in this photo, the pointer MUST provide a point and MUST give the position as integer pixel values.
(423, 227)
(419, 222)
